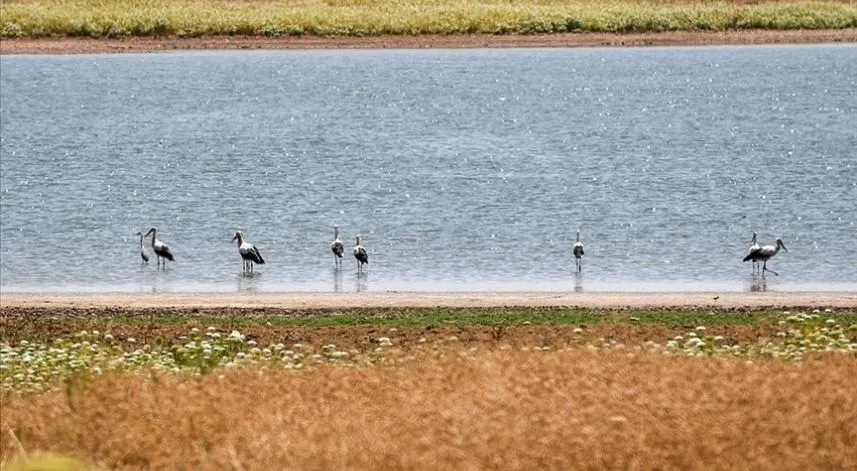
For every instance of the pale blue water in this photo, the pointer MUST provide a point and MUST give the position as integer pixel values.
(461, 169)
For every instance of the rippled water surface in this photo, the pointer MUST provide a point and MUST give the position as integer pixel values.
(461, 169)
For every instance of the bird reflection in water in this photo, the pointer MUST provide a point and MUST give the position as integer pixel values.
(247, 282)
(337, 279)
(362, 281)
(757, 284)
(578, 282)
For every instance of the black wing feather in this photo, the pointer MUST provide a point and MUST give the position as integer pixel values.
(258, 256)
(165, 252)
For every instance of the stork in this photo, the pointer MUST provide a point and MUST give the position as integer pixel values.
(336, 247)
(160, 248)
(753, 247)
(249, 253)
(361, 255)
(144, 254)
(765, 253)
(578, 252)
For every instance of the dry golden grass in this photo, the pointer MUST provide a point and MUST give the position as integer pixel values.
(459, 409)
(373, 18)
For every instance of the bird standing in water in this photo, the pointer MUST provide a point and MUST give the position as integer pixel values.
(765, 253)
(361, 255)
(249, 253)
(144, 254)
(578, 252)
(753, 247)
(336, 247)
(160, 248)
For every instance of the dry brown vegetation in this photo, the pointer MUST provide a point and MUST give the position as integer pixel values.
(457, 408)
(446, 389)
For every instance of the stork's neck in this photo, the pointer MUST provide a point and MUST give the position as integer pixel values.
(578, 236)
(335, 232)
(141, 241)
(154, 235)
(239, 239)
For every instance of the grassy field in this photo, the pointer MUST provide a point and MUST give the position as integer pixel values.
(193, 18)
(429, 388)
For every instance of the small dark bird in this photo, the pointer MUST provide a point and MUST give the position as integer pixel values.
(160, 248)
(249, 253)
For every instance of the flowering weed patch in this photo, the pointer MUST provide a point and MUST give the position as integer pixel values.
(29, 365)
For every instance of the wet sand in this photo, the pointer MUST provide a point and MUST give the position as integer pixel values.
(70, 45)
(296, 300)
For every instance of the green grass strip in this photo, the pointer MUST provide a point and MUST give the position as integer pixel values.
(437, 317)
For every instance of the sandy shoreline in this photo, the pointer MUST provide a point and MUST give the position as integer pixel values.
(72, 45)
(296, 300)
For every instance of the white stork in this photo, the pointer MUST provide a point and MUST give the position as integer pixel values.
(753, 247)
(765, 253)
(361, 255)
(144, 254)
(578, 252)
(249, 253)
(160, 248)
(336, 247)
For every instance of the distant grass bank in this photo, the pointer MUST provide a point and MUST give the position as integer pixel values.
(362, 18)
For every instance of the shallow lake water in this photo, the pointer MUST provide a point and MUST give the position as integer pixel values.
(462, 170)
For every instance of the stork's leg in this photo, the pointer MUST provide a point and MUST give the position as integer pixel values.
(765, 268)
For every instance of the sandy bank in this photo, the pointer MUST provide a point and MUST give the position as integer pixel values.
(672, 38)
(422, 299)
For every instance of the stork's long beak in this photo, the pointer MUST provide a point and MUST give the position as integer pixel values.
(784, 246)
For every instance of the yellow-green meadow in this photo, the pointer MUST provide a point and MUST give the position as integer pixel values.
(361, 18)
